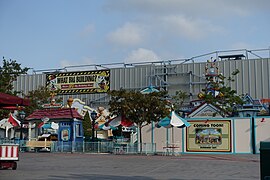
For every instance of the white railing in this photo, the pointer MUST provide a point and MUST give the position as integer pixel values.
(133, 138)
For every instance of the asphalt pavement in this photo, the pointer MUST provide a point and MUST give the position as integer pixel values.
(59, 166)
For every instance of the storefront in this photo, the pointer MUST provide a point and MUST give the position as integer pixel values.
(63, 124)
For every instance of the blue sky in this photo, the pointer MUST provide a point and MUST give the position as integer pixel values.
(58, 33)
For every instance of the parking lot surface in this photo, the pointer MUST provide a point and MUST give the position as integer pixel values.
(58, 166)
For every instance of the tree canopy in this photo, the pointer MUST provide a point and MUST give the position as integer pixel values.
(87, 127)
(39, 97)
(9, 71)
(220, 94)
(141, 109)
(179, 98)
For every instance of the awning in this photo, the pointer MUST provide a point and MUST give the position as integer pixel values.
(149, 90)
(126, 122)
(9, 101)
(45, 135)
(51, 125)
(177, 121)
(104, 127)
(165, 122)
(47, 126)
(173, 120)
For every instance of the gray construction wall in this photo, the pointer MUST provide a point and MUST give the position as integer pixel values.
(189, 77)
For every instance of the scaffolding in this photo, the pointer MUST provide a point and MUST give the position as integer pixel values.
(185, 74)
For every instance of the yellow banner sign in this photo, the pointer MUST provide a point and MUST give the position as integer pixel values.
(209, 136)
(79, 82)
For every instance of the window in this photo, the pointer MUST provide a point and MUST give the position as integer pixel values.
(78, 130)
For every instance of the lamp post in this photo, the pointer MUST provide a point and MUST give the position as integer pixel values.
(93, 117)
(22, 117)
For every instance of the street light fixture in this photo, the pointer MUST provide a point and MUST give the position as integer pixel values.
(93, 117)
(22, 117)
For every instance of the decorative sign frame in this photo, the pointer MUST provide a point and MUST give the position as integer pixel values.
(65, 135)
(209, 136)
(79, 82)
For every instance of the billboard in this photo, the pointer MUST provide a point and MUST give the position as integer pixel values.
(79, 82)
(209, 136)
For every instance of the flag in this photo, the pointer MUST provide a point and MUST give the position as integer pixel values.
(13, 121)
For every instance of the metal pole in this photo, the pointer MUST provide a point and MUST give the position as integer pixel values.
(83, 146)
(93, 116)
(253, 143)
(93, 130)
(21, 136)
(172, 140)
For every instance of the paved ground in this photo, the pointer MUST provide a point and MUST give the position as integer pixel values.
(106, 166)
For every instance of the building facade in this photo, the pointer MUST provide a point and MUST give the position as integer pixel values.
(189, 77)
(91, 83)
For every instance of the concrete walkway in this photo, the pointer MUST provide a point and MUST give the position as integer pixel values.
(106, 166)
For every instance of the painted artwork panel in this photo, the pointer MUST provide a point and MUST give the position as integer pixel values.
(210, 136)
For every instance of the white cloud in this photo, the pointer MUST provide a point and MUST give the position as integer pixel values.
(167, 18)
(141, 55)
(209, 8)
(127, 35)
(65, 63)
(183, 27)
(87, 30)
(188, 27)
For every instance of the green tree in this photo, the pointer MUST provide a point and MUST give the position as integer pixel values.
(220, 94)
(38, 97)
(179, 99)
(141, 109)
(87, 126)
(9, 73)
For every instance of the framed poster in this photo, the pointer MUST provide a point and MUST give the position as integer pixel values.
(65, 134)
(209, 136)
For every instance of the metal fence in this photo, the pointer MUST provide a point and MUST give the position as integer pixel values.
(94, 147)
(8, 141)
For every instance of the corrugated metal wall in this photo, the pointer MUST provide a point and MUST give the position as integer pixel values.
(253, 79)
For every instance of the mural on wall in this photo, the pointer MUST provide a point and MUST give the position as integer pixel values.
(79, 82)
(103, 124)
(209, 136)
